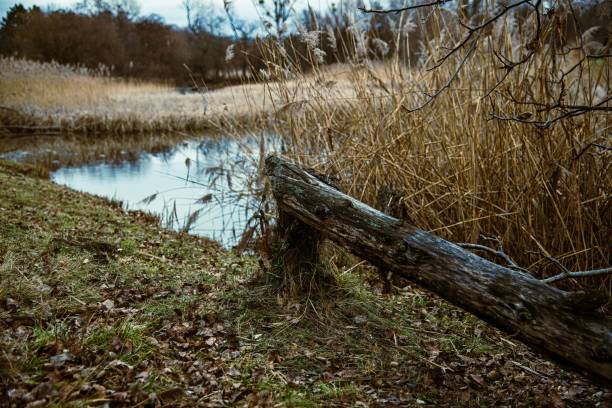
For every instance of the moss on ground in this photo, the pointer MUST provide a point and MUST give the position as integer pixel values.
(98, 305)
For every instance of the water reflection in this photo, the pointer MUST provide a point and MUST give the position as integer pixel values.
(212, 178)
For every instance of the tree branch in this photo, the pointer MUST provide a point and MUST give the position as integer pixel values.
(581, 274)
(498, 254)
(399, 10)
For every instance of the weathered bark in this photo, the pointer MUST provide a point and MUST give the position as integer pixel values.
(555, 323)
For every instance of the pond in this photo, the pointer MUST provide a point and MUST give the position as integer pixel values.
(205, 187)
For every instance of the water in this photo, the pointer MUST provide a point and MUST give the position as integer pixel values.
(213, 179)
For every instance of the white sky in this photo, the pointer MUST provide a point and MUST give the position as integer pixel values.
(170, 10)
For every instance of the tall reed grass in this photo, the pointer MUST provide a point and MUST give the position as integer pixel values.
(450, 167)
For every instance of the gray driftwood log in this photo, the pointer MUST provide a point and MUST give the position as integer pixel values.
(564, 326)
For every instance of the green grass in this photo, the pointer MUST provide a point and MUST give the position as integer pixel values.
(126, 339)
(195, 324)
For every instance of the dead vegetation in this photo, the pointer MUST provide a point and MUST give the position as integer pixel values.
(100, 306)
(463, 146)
(52, 98)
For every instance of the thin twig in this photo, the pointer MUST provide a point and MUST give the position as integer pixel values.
(580, 274)
(498, 254)
(399, 10)
(592, 144)
(566, 273)
(431, 97)
(530, 370)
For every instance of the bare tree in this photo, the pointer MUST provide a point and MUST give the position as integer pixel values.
(242, 29)
(203, 17)
(209, 39)
(275, 15)
(129, 8)
(188, 6)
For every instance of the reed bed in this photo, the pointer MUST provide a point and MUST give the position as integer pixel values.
(52, 97)
(542, 194)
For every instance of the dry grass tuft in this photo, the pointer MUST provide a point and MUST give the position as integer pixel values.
(295, 268)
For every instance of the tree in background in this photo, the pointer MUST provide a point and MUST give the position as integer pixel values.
(275, 16)
(237, 54)
(203, 17)
(15, 18)
(111, 33)
(208, 39)
(129, 8)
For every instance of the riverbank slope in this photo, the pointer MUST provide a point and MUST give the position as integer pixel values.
(100, 305)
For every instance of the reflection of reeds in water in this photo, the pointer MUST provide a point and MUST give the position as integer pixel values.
(53, 152)
(229, 206)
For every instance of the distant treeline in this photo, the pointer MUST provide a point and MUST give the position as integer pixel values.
(131, 47)
(148, 48)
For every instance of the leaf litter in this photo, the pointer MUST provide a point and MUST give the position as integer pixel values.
(167, 319)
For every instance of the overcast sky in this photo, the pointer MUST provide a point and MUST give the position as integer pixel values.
(170, 10)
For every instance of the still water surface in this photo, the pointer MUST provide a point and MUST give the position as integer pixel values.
(213, 177)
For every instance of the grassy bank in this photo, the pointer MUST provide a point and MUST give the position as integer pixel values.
(98, 305)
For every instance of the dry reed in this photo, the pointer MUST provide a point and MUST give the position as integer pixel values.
(73, 99)
(451, 168)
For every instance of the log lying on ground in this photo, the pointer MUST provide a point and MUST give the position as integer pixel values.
(564, 326)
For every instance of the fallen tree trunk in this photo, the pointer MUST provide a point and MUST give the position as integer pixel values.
(564, 326)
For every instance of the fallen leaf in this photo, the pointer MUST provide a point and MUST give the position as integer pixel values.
(108, 304)
(169, 396)
(360, 320)
(61, 359)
